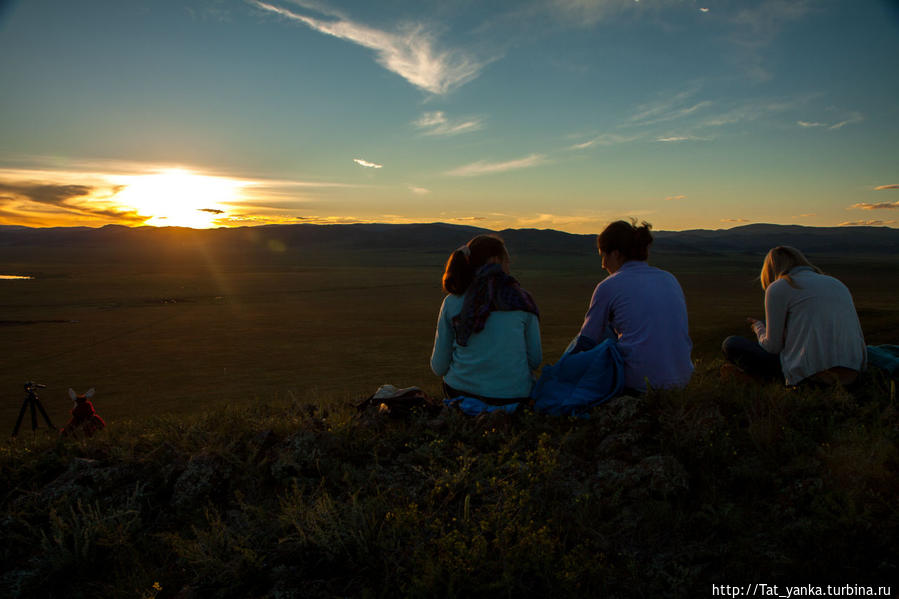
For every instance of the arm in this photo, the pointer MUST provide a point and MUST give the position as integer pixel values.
(442, 354)
(597, 325)
(532, 342)
(771, 332)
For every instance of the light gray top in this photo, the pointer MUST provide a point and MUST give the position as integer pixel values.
(813, 326)
(497, 362)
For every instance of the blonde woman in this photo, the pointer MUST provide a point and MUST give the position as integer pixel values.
(811, 331)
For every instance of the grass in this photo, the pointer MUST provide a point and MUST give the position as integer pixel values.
(663, 495)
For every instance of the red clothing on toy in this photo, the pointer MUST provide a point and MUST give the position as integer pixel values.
(84, 419)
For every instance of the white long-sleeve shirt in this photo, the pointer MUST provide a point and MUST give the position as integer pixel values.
(813, 326)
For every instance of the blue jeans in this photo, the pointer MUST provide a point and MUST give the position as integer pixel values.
(752, 358)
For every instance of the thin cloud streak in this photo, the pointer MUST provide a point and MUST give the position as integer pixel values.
(855, 117)
(366, 163)
(606, 139)
(867, 223)
(488, 168)
(879, 206)
(851, 119)
(409, 53)
(680, 138)
(436, 123)
(668, 109)
(883, 187)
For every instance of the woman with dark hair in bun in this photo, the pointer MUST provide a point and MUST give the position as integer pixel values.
(488, 333)
(641, 306)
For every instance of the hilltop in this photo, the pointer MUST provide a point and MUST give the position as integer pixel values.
(663, 495)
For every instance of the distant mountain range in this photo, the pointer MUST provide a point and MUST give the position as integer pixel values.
(442, 237)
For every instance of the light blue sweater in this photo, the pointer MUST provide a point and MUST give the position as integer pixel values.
(497, 362)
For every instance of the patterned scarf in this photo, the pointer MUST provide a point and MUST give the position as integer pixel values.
(492, 289)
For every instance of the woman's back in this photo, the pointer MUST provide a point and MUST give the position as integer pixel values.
(646, 309)
(813, 325)
(495, 362)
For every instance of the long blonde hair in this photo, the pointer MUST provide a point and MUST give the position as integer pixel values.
(780, 261)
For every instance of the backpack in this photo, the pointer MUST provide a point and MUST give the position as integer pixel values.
(580, 381)
(399, 403)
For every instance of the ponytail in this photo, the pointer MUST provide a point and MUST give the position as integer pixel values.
(458, 273)
(465, 261)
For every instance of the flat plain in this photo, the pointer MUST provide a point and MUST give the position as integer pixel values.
(180, 332)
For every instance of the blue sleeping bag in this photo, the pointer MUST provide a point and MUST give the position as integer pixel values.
(580, 381)
(885, 357)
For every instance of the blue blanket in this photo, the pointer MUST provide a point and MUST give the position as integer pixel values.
(473, 407)
(580, 381)
(885, 357)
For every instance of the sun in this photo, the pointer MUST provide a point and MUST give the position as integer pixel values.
(178, 197)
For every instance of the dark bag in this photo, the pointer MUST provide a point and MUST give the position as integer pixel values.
(399, 403)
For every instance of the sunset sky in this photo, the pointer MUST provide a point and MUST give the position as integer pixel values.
(559, 114)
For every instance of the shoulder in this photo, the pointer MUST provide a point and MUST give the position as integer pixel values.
(662, 274)
(779, 289)
(452, 299)
(452, 304)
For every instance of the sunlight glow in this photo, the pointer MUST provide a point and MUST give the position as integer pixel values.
(178, 197)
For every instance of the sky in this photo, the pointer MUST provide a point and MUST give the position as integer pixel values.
(562, 114)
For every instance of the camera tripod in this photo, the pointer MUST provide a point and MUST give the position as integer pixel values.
(32, 401)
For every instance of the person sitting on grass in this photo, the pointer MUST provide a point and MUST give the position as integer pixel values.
(488, 334)
(640, 306)
(811, 332)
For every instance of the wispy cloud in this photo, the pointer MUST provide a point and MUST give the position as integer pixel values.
(867, 223)
(367, 164)
(750, 111)
(679, 138)
(45, 202)
(488, 168)
(677, 197)
(879, 206)
(586, 13)
(850, 119)
(436, 123)
(605, 139)
(211, 210)
(883, 187)
(419, 190)
(668, 109)
(734, 220)
(855, 117)
(411, 52)
(757, 24)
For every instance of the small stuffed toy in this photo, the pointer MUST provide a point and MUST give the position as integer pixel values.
(84, 419)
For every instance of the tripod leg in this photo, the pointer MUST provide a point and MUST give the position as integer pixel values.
(15, 431)
(33, 416)
(40, 407)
